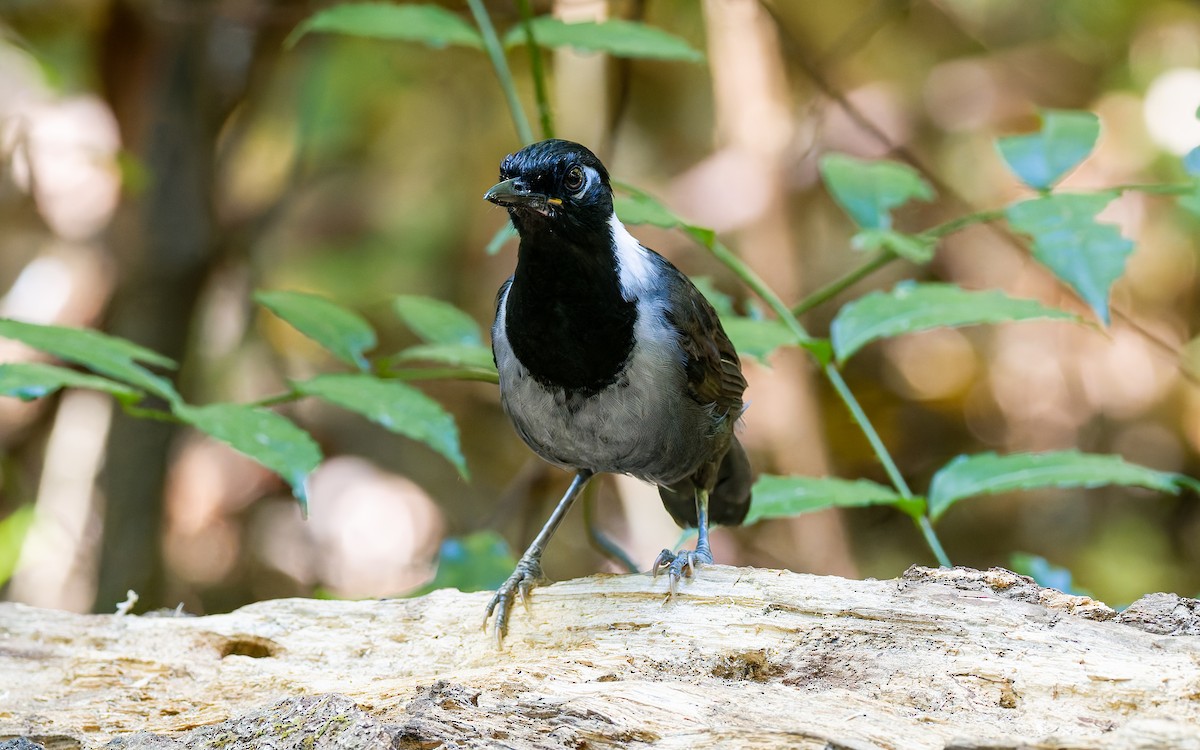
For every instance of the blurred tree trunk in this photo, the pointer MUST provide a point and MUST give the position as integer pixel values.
(157, 64)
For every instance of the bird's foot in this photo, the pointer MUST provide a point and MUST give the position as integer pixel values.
(680, 564)
(525, 576)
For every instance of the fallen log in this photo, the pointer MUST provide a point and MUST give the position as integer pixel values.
(740, 658)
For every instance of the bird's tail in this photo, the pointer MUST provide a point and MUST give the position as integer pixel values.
(729, 500)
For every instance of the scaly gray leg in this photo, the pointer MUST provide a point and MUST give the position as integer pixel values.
(528, 572)
(673, 562)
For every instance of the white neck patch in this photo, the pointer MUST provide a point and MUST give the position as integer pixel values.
(635, 268)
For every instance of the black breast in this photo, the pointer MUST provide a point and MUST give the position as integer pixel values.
(565, 317)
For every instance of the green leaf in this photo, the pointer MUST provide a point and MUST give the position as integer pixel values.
(502, 235)
(107, 355)
(479, 562)
(911, 307)
(1191, 162)
(438, 322)
(720, 301)
(395, 406)
(616, 37)
(869, 190)
(640, 208)
(30, 380)
(346, 334)
(455, 355)
(1068, 240)
(758, 338)
(430, 24)
(13, 530)
(913, 247)
(1041, 159)
(988, 473)
(266, 437)
(783, 497)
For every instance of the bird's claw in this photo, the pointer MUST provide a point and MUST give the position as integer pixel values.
(675, 563)
(525, 576)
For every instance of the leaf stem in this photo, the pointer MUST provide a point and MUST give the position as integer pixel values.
(277, 399)
(839, 285)
(443, 373)
(598, 539)
(545, 116)
(1184, 188)
(864, 424)
(935, 544)
(759, 287)
(157, 415)
(962, 222)
(885, 257)
(495, 52)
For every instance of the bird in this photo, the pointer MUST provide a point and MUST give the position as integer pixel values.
(610, 360)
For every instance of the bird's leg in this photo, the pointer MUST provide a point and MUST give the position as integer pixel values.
(676, 562)
(528, 572)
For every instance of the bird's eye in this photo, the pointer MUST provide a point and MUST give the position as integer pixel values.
(574, 179)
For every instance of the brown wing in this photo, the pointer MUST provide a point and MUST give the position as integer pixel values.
(714, 372)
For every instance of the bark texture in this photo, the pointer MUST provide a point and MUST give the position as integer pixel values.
(740, 658)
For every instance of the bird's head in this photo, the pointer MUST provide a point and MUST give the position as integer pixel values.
(556, 186)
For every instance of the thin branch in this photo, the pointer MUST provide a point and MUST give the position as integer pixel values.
(545, 116)
(839, 285)
(495, 52)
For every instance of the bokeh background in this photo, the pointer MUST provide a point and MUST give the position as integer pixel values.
(162, 159)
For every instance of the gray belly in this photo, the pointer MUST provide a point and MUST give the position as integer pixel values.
(643, 424)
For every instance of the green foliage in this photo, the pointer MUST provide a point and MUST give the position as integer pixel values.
(500, 238)
(347, 335)
(13, 530)
(783, 497)
(438, 322)
(107, 355)
(30, 380)
(476, 356)
(870, 190)
(1043, 158)
(757, 338)
(914, 247)
(264, 436)
(616, 37)
(988, 473)
(430, 24)
(911, 307)
(1068, 240)
(394, 406)
(641, 208)
(453, 337)
(1191, 162)
(478, 562)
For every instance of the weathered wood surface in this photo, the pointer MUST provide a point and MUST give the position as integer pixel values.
(740, 658)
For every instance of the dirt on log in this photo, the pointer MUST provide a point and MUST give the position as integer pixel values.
(740, 658)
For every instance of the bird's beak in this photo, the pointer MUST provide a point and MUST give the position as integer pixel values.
(514, 194)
